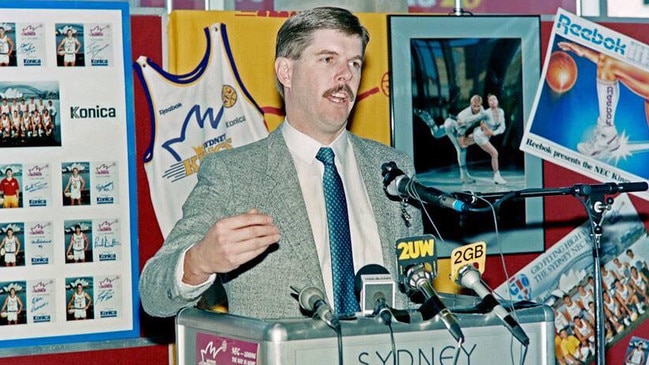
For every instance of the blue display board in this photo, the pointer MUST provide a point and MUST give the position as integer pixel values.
(68, 232)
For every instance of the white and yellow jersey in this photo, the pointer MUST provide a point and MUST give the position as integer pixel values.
(201, 112)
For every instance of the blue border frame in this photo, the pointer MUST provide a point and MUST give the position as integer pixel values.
(132, 176)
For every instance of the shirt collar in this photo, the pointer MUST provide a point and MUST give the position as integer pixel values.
(306, 148)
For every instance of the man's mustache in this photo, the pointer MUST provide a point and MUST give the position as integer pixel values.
(342, 87)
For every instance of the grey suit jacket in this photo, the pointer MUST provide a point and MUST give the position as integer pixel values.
(262, 175)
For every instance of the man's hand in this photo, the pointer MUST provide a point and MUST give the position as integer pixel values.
(229, 243)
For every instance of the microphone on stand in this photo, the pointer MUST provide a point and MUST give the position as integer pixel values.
(376, 292)
(397, 184)
(417, 265)
(464, 261)
(312, 299)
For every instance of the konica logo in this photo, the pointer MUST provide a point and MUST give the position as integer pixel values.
(566, 25)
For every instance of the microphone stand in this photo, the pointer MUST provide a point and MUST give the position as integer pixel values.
(594, 201)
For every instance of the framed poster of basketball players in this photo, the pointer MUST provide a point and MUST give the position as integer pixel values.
(68, 235)
(461, 90)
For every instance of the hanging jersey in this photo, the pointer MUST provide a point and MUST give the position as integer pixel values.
(204, 111)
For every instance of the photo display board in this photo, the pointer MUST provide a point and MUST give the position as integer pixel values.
(68, 235)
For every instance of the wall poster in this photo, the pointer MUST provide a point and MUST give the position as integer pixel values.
(591, 111)
(439, 66)
(68, 237)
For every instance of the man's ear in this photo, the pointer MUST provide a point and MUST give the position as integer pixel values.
(283, 70)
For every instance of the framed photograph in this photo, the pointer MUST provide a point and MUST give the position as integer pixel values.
(462, 88)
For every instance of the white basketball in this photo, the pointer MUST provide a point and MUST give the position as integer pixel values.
(2, 251)
(70, 257)
(67, 194)
(3, 314)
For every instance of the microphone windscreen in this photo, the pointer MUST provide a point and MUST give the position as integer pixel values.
(370, 269)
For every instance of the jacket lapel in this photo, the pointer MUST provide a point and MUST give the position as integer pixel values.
(291, 215)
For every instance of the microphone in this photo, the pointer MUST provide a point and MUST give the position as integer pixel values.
(312, 299)
(397, 184)
(374, 288)
(417, 266)
(463, 272)
(376, 292)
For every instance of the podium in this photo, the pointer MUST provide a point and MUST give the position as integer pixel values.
(208, 338)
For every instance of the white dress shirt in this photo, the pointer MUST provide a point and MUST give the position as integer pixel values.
(366, 244)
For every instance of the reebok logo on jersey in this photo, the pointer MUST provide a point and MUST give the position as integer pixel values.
(78, 112)
(170, 109)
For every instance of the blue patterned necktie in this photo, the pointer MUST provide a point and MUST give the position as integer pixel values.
(340, 242)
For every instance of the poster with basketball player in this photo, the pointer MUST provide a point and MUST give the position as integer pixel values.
(78, 239)
(69, 45)
(589, 114)
(13, 304)
(67, 173)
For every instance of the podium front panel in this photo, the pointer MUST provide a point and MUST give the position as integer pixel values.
(207, 338)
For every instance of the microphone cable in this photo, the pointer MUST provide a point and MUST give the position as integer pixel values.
(412, 192)
(511, 308)
(393, 344)
(339, 337)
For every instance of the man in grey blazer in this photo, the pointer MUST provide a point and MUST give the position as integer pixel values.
(255, 223)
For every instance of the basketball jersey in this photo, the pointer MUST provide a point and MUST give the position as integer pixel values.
(4, 45)
(12, 304)
(69, 45)
(636, 357)
(79, 301)
(639, 283)
(10, 244)
(583, 330)
(204, 111)
(78, 243)
(75, 183)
